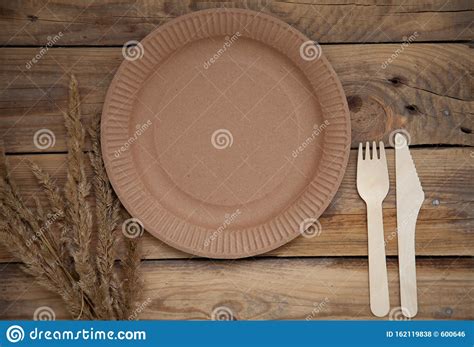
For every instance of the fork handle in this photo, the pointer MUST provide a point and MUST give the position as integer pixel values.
(378, 280)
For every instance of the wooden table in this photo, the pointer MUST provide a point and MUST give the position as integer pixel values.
(424, 86)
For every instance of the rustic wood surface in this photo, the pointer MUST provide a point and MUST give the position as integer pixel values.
(427, 89)
(442, 229)
(113, 22)
(311, 288)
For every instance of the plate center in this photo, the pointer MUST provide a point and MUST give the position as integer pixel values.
(232, 129)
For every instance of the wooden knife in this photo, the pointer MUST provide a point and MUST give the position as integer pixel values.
(410, 197)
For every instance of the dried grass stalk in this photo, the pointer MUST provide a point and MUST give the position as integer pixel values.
(107, 212)
(132, 283)
(77, 209)
(91, 286)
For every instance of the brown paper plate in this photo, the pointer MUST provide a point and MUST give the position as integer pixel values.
(225, 133)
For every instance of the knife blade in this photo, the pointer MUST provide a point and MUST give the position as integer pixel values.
(410, 197)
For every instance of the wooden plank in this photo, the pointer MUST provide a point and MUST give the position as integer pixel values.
(445, 225)
(112, 22)
(325, 288)
(427, 90)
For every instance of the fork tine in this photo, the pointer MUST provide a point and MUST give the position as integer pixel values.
(367, 151)
(382, 152)
(360, 156)
(374, 151)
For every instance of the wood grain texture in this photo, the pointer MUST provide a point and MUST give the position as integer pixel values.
(442, 229)
(114, 22)
(422, 87)
(427, 90)
(312, 289)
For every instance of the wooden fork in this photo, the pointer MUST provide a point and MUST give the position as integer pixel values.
(373, 185)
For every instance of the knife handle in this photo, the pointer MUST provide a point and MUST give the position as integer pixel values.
(378, 280)
(407, 268)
